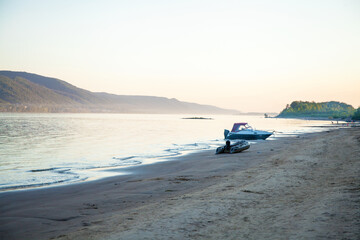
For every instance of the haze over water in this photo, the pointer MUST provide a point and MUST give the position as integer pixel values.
(47, 149)
(235, 52)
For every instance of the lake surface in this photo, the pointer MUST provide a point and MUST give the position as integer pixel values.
(39, 150)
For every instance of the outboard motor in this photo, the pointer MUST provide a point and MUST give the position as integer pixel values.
(226, 132)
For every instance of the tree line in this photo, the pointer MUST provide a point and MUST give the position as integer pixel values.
(332, 110)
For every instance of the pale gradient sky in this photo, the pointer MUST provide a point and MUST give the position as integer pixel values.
(245, 55)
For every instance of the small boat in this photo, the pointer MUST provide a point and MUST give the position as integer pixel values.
(244, 131)
(237, 147)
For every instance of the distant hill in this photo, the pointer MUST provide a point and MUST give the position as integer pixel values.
(27, 92)
(332, 109)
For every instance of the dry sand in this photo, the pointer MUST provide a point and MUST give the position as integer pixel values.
(297, 188)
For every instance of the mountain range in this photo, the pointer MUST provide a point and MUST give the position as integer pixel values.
(28, 92)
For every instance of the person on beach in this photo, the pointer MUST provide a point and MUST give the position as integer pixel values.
(227, 146)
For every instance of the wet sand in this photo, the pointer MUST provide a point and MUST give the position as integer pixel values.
(294, 188)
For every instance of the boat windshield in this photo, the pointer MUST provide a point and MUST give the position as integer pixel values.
(240, 126)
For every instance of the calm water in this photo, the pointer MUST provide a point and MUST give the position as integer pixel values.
(50, 149)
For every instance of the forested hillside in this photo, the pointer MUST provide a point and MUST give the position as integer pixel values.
(331, 109)
(27, 92)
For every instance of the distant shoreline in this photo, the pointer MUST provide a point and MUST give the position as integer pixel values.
(311, 118)
(35, 93)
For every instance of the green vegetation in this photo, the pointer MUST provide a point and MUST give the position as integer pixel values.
(20, 90)
(356, 115)
(336, 110)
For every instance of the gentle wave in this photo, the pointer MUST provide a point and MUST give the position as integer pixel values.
(124, 158)
(42, 170)
(38, 150)
(126, 161)
(76, 178)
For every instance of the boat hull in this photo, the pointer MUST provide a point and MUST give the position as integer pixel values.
(247, 136)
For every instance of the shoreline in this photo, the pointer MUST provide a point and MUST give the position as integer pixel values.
(338, 121)
(201, 188)
(65, 172)
(128, 170)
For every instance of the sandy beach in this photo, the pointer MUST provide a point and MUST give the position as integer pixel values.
(306, 187)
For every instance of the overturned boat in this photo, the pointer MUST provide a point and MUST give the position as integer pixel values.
(244, 131)
(238, 146)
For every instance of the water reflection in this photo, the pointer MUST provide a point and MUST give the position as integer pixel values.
(43, 149)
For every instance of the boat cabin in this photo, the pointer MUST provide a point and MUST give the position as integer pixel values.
(241, 126)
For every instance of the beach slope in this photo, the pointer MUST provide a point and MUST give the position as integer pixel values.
(296, 188)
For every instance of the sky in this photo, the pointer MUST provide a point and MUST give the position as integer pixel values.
(252, 56)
